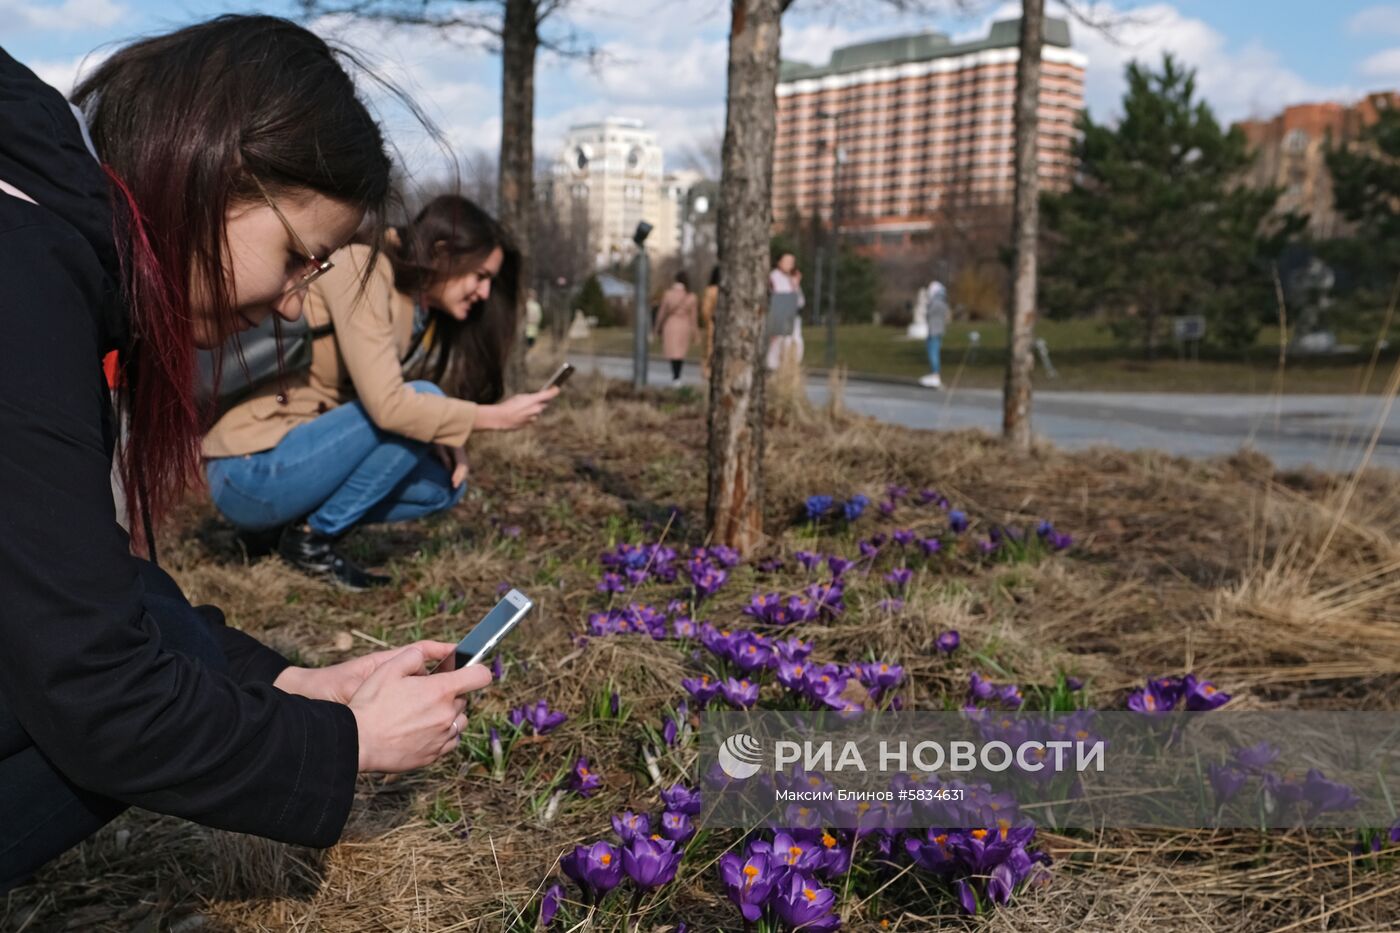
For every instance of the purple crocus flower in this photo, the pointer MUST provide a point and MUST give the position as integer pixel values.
(808, 560)
(740, 694)
(903, 537)
(957, 521)
(677, 827)
(681, 799)
(1074, 684)
(948, 642)
(930, 546)
(793, 675)
(979, 688)
(706, 578)
(803, 904)
(651, 861)
(749, 653)
(702, 689)
(1202, 695)
(878, 676)
(855, 507)
(498, 669)
(792, 649)
(549, 904)
(1059, 541)
(837, 565)
(967, 896)
(1152, 700)
(684, 627)
(896, 492)
(542, 719)
(748, 881)
(583, 781)
(770, 565)
(612, 583)
(1227, 781)
(818, 507)
(899, 577)
(614, 704)
(868, 549)
(669, 731)
(629, 825)
(597, 868)
(891, 606)
(886, 508)
(1256, 757)
(1323, 795)
(1394, 834)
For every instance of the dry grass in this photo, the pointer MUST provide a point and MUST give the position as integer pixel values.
(1179, 565)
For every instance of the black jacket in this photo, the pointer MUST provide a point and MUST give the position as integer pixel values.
(83, 675)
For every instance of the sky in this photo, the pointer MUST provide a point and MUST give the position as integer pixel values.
(663, 61)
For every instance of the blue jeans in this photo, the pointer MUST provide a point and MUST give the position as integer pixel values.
(935, 350)
(337, 472)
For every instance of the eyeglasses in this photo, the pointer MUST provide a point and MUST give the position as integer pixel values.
(315, 268)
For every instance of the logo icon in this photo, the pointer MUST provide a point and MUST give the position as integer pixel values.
(740, 756)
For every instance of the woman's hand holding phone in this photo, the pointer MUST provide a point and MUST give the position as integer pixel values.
(515, 412)
(406, 720)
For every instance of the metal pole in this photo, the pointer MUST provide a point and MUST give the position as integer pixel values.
(641, 323)
(835, 257)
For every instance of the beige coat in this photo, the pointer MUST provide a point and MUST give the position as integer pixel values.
(675, 322)
(358, 361)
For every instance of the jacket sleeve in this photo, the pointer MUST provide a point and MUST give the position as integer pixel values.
(364, 335)
(248, 660)
(83, 668)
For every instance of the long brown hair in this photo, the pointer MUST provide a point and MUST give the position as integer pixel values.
(184, 123)
(467, 359)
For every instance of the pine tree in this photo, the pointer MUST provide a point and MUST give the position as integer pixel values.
(1366, 190)
(1158, 224)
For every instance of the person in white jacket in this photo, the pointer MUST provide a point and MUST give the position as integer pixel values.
(785, 279)
(937, 312)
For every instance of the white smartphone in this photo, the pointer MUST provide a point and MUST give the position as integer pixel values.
(561, 376)
(487, 633)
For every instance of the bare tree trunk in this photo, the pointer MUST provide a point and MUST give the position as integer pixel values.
(734, 507)
(1016, 412)
(520, 42)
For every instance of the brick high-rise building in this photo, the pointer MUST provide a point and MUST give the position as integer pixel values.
(919, 122)
(1291, 153)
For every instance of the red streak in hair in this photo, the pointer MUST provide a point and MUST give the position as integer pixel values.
(161, 455)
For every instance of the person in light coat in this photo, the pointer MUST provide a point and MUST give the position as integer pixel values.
(675, 323)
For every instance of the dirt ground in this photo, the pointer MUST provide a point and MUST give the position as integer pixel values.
(1283, 588)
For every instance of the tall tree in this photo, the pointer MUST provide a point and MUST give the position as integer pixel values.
(1157, 223)
(1025, 231)
(734, 504)
(1366, 189)
(517, 25)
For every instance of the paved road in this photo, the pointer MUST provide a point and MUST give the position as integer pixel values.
(1329, 432)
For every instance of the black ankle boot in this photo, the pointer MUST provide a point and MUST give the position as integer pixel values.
(314, 553)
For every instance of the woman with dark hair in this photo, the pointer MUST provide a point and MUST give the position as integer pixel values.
(675, 323)
(226, 161)
(349, 441)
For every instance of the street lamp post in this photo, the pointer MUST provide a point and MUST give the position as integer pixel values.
(641, 316)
